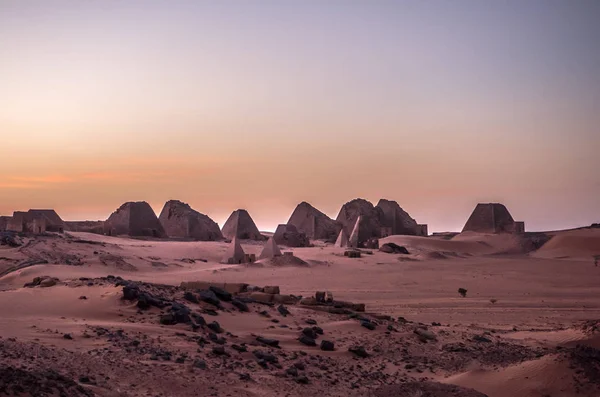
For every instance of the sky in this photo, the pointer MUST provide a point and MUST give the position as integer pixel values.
(260, 105)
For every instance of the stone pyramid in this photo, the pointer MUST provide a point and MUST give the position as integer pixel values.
(396, 219)
(342, 240)
(371, 216)
(314, 223)
(240, 225)
(134, 219)
(235, 253)
(270, 250)
(180, 220)
(490, 218)
(353, 241)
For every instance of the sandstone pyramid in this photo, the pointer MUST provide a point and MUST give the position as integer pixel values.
(180, 220)
(270, 250)
(289, 236)
(235, 253)
(354, 240)
(370, 219)
(315, 224)
(396, 219)
(134, 219)
(492, 218)
(342, 240)
(240, 225)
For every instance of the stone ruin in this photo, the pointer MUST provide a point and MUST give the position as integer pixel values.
(134, 219)
(342, 240)
(370, 219)
(33, 221)
(235, 254)
(270, 250)
(492, 218)
(240, 225)
(315, 224)
(181, 221)
(289, 236)
(396, 219)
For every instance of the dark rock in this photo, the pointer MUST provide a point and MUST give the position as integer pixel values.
(267, 357)
(479, 338)
(283, 310)
(268, 341)
(327, 345)
(392, 248)
(218, 340)
(306, 340)
(302, 380)
(68, 336)
(368, 324)
(215, 327)
(318, 330)
(240, 305)
(358, 351)
(188, 296)
(241, 349)
(310, 333)
(198, 319)
(209, 297)
(221, 293)
(83, 297)
(199, 364)
(292, 371)
(310, 321)
(220, 351)
(131, 292)
(168, 319)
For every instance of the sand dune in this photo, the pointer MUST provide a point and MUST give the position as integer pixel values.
(576, 244)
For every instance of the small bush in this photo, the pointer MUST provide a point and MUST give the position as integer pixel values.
(462, 292)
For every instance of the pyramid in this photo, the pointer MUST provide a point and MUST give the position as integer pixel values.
(492, 218)
(235, 253)
(371, 216)
(396, 219)
(353, 241)
(240, 225)
(342, 240)
(289, 236)
(271, 250)
(315, 224)
(180, 220)
(134, 219)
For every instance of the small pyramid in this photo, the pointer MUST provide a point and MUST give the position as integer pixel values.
(353, 240)
(240, 225)
(342, 240)
(235, 253)
(271, 250)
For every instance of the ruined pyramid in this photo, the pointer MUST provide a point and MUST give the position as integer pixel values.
(342, 240)
(235, 253)
(315, 224)
(270, 250)
(180, 220)
(354, 241)
(240, 225)
(370, 224)
(134, 219)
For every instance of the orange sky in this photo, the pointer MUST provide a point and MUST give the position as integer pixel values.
(260, 106)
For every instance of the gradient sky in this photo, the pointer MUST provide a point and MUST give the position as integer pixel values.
(263, 104)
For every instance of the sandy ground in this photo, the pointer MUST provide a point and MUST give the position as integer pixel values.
(532, 309)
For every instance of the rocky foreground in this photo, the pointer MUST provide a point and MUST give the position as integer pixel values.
(238, 340)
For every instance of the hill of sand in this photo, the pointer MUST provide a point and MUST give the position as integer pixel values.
(527, 325)
(572, 244)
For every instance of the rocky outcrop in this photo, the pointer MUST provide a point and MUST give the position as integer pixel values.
(134, 219)
(396, 219)
(315, 224)
(370, 219)
(240, 225)
(181, 221)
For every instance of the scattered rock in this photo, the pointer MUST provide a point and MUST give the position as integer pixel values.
(327, 345)
(283, 310)
(306, 340)
(392, 248)
(359, 351)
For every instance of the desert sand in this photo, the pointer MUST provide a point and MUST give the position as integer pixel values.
(528, 325)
